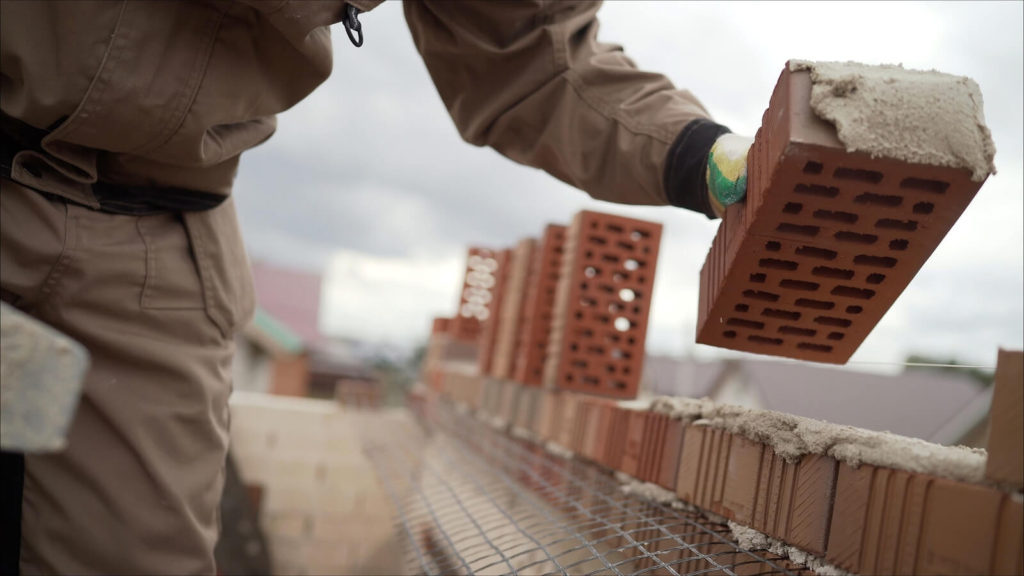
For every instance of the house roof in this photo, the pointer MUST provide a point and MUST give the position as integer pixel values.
(915, 403)
(671, 376)
(922, 404)
(271, 335)
(290, 296)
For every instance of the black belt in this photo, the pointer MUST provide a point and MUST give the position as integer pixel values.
(17, 136)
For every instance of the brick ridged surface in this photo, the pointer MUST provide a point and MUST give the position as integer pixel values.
(826, 240)
(538, 307)
(489, 327)
(511, 309)
(602, 304)
(476, 300)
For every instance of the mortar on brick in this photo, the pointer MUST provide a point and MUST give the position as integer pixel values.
(751, 539)
(921, 117)
(793, 436)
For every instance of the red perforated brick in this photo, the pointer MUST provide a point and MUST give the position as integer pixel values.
(826, 240)
(539, 306)
(489, 327)
(601, 307)
(511, 309)
(476, 300)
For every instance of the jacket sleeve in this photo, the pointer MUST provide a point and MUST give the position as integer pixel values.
(531, 80)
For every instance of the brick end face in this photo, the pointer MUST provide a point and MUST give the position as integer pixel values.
(826, 241)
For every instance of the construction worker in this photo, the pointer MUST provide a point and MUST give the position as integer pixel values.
(123, 123)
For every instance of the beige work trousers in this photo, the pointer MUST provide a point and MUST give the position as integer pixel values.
(156, 300)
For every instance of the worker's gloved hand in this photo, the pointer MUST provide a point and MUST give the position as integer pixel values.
(727, 171)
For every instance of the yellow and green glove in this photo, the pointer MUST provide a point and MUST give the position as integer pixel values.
(727, 171)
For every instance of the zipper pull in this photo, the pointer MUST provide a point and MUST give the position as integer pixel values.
(352, 25)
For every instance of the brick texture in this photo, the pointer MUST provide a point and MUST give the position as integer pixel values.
(1006, 422)
(511, 309)
(489, 327)
(602, 303)
(538, 306)
(476, 300)
(826, 240)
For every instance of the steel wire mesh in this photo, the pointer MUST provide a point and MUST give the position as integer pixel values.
(473, 500)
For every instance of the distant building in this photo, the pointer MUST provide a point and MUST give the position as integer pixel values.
(286, 328)
(270, 358)
(934, 406)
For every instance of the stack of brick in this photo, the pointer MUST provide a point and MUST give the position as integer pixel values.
(567, 312)
(598, 329)
(489, 329)
(511, 310)
(538, 307)
(894, 517)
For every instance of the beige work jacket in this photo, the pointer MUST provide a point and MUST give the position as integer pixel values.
(167, 94)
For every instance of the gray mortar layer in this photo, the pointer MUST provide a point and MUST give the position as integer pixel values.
(792, 437)
(750, 539)
(921, 117)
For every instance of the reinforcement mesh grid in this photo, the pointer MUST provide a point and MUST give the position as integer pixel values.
(473, 500)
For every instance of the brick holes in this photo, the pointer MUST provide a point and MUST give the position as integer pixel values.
(772, 246)
(798, 229)
(815, 304)
(869, 176)
(836, 216)
(745, 323)
(936, 186)
(796, 331)
(817, 190)
(758, 278)
(855, 237)
(799, 285)
(603, 307)
(829, 272)
(761, 295)
(875, 278)
(924, 208)
(783, 314)
(814, 347)
(815, 252)
(758, 339)
(875, 261)
(893, 224)
(776, 264)
(853, 292)
(854, 309)
(872, 199)
(832, 321)
(813, 167)
(742, 308)
(898, 244)
(792, 208)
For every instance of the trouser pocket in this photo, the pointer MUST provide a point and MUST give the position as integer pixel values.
(222, 265)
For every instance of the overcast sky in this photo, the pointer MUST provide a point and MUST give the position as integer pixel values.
(368, 182)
